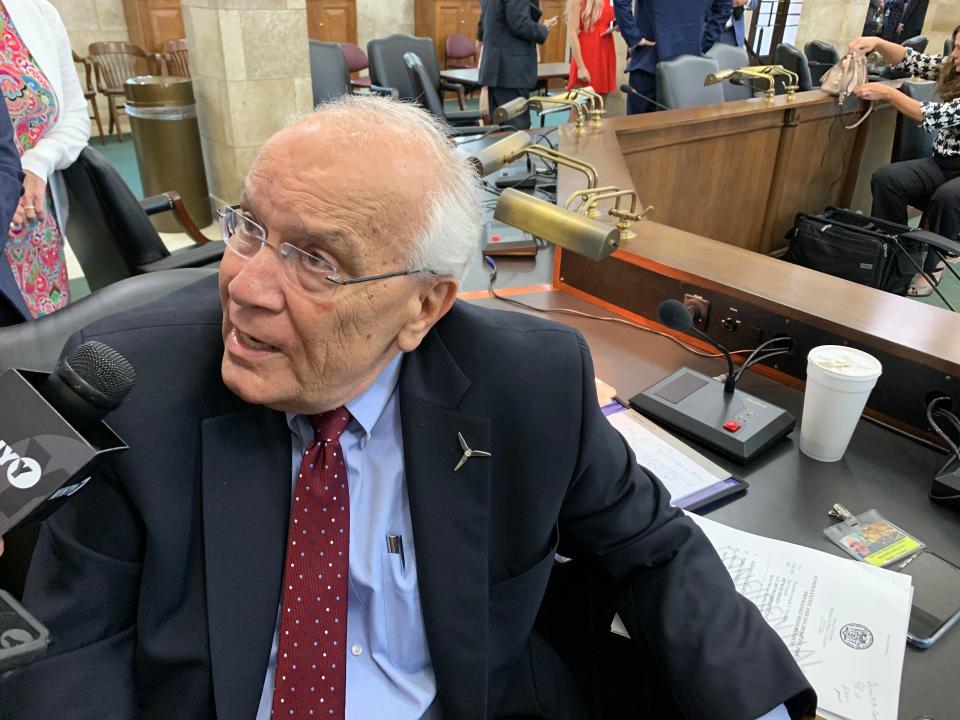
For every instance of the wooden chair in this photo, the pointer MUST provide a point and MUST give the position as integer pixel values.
(89, 93)
(176, 58)
(114, 63)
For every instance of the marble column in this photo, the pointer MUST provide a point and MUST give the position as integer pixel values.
(251, 77)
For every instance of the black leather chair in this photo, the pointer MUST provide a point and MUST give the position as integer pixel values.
(330, 74)
(36, 345)
(821, 57)
(910, 141)
(729, 57)
(680, 82)
(110, 233)
(388, 69)
(917, 44)
(427, 97)
(795, 61)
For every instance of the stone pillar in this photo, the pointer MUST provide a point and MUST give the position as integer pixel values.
(379, 18)
(251, 76)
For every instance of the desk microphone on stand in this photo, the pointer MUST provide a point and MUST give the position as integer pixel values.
(716, 414)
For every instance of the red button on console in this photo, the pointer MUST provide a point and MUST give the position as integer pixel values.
(731, 426)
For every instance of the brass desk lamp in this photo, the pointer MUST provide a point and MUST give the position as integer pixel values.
(768, 73)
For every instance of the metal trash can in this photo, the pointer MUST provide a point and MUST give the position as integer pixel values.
(163, 118)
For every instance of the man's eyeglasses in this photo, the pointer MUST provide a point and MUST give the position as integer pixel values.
(306, 271)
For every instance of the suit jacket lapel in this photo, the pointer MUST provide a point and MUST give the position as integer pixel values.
(450, 515)
(246, 504)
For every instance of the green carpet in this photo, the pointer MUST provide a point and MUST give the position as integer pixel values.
(123, 157)
(949, 286)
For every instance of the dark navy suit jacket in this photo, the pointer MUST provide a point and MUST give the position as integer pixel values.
(160, 580)
(12, 307)
(679, 27)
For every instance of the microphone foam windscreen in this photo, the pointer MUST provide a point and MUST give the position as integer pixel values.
(674, 315)
(104, 369)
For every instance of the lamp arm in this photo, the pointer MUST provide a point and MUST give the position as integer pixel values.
(561, 159)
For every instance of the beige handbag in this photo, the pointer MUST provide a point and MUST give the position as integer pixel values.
(842, 78)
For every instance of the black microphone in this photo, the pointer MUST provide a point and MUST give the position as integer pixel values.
(51, 428)
(629, 90)
(88, 384)
(677, 316)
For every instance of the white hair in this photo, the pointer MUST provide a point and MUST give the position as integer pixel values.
(451, 232)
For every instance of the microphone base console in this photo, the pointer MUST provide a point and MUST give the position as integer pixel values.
(737, 425)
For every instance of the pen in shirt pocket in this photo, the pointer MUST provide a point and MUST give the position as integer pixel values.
(395, 547)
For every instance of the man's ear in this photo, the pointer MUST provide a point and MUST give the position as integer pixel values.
(431, 304)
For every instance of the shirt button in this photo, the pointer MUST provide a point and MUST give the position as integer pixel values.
(356, 649)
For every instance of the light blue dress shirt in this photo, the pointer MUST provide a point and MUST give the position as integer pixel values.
(389, 673)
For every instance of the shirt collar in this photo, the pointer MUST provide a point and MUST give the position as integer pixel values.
(368, 406)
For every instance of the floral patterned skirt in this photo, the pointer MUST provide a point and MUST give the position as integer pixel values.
(36, 256)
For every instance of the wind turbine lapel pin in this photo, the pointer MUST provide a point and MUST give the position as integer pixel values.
(468, 452)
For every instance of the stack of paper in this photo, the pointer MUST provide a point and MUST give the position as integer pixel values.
(844, 622)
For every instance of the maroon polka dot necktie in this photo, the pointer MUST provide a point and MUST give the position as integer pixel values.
(311, 655)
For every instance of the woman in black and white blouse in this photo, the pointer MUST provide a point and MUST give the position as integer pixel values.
(931, 184)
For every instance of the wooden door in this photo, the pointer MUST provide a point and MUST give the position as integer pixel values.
(472, 14)
(150, 23)
(448, 18)
(332, 20)
(555, 48)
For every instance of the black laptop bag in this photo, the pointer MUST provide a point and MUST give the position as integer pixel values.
(855, 247)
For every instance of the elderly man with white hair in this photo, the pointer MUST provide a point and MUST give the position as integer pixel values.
(345, 489)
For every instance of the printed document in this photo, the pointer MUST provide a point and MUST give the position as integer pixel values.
(843, 621)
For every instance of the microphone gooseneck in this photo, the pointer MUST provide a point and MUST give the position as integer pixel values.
(677, 316)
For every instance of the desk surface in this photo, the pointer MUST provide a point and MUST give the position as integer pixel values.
(470, 76)
(789, 493)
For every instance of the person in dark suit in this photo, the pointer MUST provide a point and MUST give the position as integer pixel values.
(12, 307)
(656, 30)
(508, 63)
(188, 580)
(914, 15)
(734, 30)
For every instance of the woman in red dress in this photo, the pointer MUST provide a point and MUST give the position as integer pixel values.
(593, 60)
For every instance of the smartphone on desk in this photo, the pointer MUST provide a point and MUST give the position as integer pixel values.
(936, 597)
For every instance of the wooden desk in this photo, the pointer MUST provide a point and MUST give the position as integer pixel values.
(760, 295)
(545, 72)
(789, 493)
(739, 172)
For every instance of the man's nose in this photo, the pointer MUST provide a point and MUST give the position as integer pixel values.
(259, 281)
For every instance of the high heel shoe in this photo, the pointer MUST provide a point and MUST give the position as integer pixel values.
(921, 287)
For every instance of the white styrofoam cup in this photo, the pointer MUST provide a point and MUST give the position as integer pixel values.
(839, 381)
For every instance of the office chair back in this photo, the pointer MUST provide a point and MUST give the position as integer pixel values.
(821, 57)
(795, 61)
(917, 44)
(729, 57)
(329, 73)
(459, 52)
(910, 141)
(355, 57)
(948, 46)
(680, 82)
(108, 230)
(426, 95)
(388, 69)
